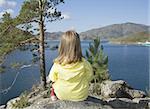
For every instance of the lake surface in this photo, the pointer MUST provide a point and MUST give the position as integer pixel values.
(126, 62)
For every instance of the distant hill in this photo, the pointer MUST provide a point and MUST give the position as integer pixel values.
(53, 35)
(114, 31)
(107, 32)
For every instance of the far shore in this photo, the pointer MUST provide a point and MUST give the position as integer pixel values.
(89, 40)
(125, 43)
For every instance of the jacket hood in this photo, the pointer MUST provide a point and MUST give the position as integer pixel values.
(70, 71)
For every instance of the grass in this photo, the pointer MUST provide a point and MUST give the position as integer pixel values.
(22, 102)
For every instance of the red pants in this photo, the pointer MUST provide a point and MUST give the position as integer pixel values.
(52, 92)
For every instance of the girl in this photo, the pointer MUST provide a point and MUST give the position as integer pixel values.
(71, 73)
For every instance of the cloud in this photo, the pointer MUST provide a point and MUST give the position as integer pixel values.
(7, 3)
(8, 10)
(66, 16)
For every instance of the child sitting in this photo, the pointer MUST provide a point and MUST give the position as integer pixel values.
(71, 73)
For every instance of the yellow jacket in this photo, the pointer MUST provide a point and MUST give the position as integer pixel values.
(71, 81)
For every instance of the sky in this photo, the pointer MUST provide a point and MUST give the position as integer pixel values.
(82, 15)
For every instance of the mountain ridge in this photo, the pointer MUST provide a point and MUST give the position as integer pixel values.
(106, 32)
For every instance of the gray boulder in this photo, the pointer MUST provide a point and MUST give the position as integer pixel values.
(2, 107)
(119, 89)
(125, 103)
(46, 103)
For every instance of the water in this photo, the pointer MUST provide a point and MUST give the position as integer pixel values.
(126, 62)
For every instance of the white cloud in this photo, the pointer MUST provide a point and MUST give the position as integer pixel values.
(7, 3)
(66, 16)
(2, 2)
(8, 10)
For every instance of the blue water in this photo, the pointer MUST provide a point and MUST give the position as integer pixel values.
(126, 62)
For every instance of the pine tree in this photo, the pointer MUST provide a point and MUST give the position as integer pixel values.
(98, 60)
(40, 11)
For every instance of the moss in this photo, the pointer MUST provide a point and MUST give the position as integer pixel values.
(22, 102)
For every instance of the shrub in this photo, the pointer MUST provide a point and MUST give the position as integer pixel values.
(22, 102)
(98, 60)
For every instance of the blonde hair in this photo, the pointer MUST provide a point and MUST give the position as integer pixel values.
(69, 48)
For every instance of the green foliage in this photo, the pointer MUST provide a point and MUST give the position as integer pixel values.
(37, 11)
(10, 35)
(22, 102)
(98, 60)
(5, 48)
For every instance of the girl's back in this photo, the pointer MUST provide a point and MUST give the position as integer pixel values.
(71, 80)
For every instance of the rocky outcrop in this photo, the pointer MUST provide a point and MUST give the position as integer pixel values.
(119, 89)
(91, 103)
(2, 107)
(125, 103)
(46, 103)
(113, 95)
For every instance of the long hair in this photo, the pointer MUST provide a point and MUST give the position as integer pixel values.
(69, 48)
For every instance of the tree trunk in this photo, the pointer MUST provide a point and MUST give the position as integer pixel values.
(42, 52)
(42, 56)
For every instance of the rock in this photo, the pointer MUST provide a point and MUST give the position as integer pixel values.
(143, 101)
(9, 103)
(33, 97)
(119, 89)
(136, 93)
(2, 107)
(48, 104)
(125, 103)
(90, 103)
(116, 95)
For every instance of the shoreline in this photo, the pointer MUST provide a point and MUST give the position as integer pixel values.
(120, 43)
